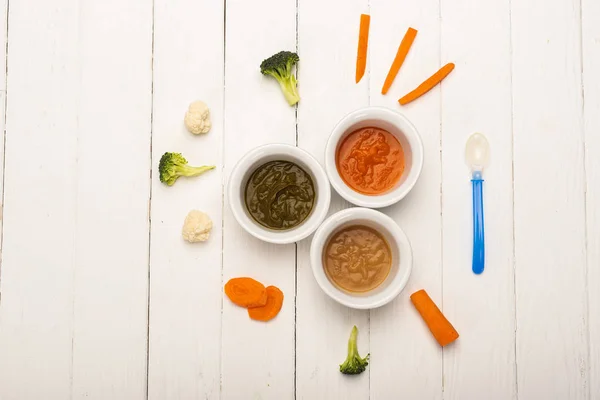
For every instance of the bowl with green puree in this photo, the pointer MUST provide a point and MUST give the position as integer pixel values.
(279, 193)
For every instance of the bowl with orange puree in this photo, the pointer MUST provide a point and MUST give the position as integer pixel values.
(361, 258)
(374, 157)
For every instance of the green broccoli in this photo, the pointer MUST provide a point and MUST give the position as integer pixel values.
(354, 364)
(279, 66)
(174, 165)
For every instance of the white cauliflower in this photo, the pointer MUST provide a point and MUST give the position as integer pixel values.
(197, 227)
(197, 118)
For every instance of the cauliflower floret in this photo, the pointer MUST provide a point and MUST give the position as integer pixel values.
(197, 227)
(197, 118)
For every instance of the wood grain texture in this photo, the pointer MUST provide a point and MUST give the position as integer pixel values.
(113, 188)
(476, 97)
(257, 358)
(549, 205)
(591, 85)
(185, 278)
(36, 313)
(326, 84)
(4, 41)
(86, 309)
(407, 361)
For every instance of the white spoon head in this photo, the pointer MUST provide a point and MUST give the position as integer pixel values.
(477, 152)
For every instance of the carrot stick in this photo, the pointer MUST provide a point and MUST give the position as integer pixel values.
(440, 328)
(428, 84)
(363, 41)
(403, 49)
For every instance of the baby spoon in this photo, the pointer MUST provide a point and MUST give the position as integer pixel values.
(477, 153)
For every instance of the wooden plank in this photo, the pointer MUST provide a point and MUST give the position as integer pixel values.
(113, 188)
(4, 41)
(591, 85)
(257, 358)
(36, 313)
(549, 201)
(185, 278)
(327, 39)
(398, 335)
(477, 98)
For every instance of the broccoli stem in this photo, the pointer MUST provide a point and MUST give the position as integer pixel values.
(354, 364)
(290, 90)
(352, 345)
(185, 170)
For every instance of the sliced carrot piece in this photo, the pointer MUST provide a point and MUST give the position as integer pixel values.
(246, 292)
(405, 45)
(428, 84)
(441, 329)
(271, 309)
(363, 42)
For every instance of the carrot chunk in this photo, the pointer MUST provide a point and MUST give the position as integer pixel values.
(246, 292)
(441, 329)
(271, 309)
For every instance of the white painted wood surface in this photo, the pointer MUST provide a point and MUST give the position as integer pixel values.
(478, 99)
(591, 96)
(185, 280)
(100, 298)
(552, 333)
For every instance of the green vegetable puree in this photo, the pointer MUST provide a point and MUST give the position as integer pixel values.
(279, 195)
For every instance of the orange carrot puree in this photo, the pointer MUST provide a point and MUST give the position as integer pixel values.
(370, 160)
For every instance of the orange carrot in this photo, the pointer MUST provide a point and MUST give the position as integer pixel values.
(271, 309)
(403, 49)
(428, 84)
(363, 41)
(442, 330)
(246, 292)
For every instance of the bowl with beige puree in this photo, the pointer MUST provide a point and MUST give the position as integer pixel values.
(361, 258)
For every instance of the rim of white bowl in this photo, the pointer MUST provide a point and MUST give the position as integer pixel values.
(362, 301)
(269, 152)
(409, 132)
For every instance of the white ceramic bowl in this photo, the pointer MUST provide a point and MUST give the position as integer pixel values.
(396, 124)
(272, 152)
(401, 257)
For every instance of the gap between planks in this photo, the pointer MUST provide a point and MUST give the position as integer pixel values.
(512, 171)
(150, 209)
(7, 10)
(223, 114)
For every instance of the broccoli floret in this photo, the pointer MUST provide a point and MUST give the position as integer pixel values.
(279, 66)
(354, 364)
(174, 165)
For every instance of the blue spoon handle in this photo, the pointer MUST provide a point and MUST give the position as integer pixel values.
(478, 230)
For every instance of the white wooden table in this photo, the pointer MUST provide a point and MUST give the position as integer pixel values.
(102, 299)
